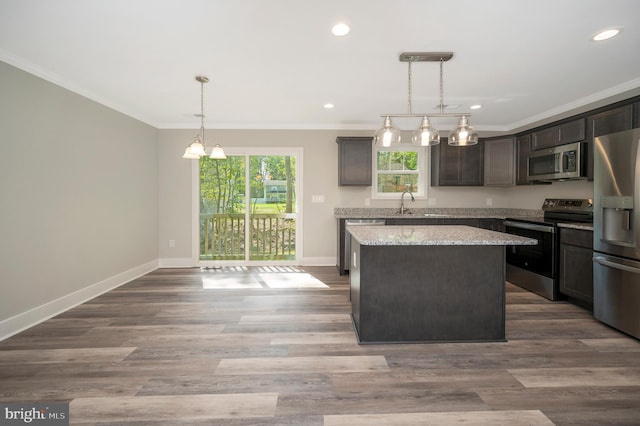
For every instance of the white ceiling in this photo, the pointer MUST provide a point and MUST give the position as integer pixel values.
(275, 63)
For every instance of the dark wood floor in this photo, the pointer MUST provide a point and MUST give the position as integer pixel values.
(253, 346)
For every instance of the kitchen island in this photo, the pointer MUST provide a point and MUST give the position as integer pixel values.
(428, 283)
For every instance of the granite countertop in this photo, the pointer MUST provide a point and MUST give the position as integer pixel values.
(577, 225)
(421, 213)
(433, 235)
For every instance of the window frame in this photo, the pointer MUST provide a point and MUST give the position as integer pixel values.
(421, 171)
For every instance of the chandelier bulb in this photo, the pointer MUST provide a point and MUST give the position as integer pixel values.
(426, 135)
(217, 153)
(463, 135)
(387, 135)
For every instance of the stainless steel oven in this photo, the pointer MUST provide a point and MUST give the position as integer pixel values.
(535, 268)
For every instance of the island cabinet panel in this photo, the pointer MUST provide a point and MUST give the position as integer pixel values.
(428, 293)
(354, 161)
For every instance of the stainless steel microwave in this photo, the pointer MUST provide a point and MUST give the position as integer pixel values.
(562, 162)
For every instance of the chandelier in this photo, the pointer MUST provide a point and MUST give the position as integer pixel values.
(197, 148)
(425, 134)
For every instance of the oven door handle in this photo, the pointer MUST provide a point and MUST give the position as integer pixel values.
(531, 226)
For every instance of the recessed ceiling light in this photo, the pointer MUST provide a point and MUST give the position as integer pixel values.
(340, 29)
(477, 106)
(606, 34)
(328, 106)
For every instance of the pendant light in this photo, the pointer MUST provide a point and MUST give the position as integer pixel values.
(387, 135)
(197, 148)
(217, 153)
(463, 135)
(426, 134)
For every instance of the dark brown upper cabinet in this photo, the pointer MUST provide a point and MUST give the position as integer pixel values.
(354, 160)
(499, 162)
(561, 134)
(523, 149)
(457, 165)
(603, 123)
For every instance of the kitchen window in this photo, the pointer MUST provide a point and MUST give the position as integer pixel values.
(397, 169)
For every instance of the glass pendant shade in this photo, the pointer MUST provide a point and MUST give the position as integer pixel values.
(387, 135)
(189, 155)
(196, 149)
(218, 153)
(426, 135)
(463, 135)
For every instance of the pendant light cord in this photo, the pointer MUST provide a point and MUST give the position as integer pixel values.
(202, 109)
(441, 89)
(409, 80)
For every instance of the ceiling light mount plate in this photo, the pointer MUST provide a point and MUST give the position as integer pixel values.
(425, 56)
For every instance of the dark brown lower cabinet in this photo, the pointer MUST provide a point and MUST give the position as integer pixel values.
(576, 267)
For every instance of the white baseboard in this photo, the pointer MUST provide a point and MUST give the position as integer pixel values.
(177, 262)
(319, 261)
(20, 322)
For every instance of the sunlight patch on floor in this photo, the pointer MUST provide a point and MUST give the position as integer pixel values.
(231, 282)
(267, 277)
(292, 280)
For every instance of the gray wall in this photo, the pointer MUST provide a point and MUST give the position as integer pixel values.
(79, 191)
(320, 177)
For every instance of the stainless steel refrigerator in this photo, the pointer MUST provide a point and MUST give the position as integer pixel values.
(616, 231)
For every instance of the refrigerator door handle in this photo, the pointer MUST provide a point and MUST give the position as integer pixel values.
(615, 265)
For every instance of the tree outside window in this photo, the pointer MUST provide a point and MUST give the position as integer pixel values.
(398, 170)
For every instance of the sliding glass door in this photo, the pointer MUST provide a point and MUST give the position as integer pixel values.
(248, 208)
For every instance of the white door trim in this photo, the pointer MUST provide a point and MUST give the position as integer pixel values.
(296, 152)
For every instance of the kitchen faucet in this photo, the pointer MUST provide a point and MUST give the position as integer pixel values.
(403, 210)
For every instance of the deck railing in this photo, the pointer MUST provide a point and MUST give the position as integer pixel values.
(271, 236)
